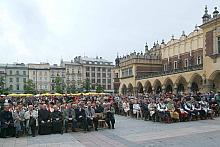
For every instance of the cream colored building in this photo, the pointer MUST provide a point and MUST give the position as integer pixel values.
(40, 75)
(190, 63)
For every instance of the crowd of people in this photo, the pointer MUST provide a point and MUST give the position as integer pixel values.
(46, 115)
(169, 107)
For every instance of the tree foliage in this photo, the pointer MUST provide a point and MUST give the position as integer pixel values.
(87, 85)
(59, 85)
(99, 89)
(29, 87)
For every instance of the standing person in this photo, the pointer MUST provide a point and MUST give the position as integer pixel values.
(17, 121)
(31, 120)
(110, 119)
(44, 120)
(6, 121)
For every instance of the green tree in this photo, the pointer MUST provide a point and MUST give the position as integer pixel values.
(3, 89)
(99, 89)
(29, 87)
(59, 85)
(87, 85)
(71, 89)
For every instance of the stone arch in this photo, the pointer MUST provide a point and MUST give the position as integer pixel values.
(195, 82)
(168, 85)
(215, 80)
(148, 87)
(124, 89)
(181, 84)
(140, 88)
(130, 89)
(157, 86)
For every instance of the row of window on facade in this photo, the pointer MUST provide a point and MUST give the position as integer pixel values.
(18, 72)
(186, 63)
(18, 80)
(96, 63)
(127, 72)
(218, 45)
(98, 69)
(109, 87)
(99, 81)
(98, 75)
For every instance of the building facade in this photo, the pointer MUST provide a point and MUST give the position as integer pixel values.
(57, 73)
(188, 64)
(16, 75)
(40, 75)
(98, 71)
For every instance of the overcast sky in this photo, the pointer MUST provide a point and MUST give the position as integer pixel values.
(48, 30)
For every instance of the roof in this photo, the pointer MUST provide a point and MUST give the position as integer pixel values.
(94, 59)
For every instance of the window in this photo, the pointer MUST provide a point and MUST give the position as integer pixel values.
(45, 79)
(10, 72)
(103, 81)
(165, 67)
(45, 86)
(33, 72)
(11, 87)
(98, 69)
(40, 78)
(40, 73)
(11, 79)
(199, 60)
(109, 87)
(103, 75)
(87, 69)
(17, 79)
(219, 45)
(186, 63)
(17, 72)
(175, 64)
(98, 75)
(24, 80)
(34, 78)
(93, 68)
(109, 70)
(17, 87)
(98, 81)
(108, 75)
(93, 80)
(24, 72)
(45, 73)
(87, 74)
(93, 74)
(103, 69)
(109, 81)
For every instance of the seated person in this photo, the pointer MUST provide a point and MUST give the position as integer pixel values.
(70, 117)
(57, 120)
(162, 110)
(31, 120)
(7, 123)
(152, 109)
(90, 114)
(206, 108)
(190, 108)
(136, 109)
(109, 111)
(81, 116)
(173, 113)
(44, 120)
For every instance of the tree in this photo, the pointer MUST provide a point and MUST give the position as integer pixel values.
(29, 87)
(99, 89)
(87, 85)
(59, 85)
(71, 89)
(3, 90)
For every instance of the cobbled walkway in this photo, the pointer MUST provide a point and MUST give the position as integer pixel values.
(130, 132)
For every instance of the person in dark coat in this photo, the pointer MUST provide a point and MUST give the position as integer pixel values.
(57, 120)
(44, 119)
(6, 122)
(110, 119)
(81, 116)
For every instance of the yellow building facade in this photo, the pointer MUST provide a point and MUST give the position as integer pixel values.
(188, 64)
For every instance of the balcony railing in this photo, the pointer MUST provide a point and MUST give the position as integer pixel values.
(170, 72)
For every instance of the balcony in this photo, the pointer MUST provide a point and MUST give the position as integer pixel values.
(171, 72)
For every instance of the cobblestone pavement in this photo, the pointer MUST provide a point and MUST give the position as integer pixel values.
(132, 133)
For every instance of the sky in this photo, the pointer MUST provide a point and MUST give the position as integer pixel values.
(34, 31)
